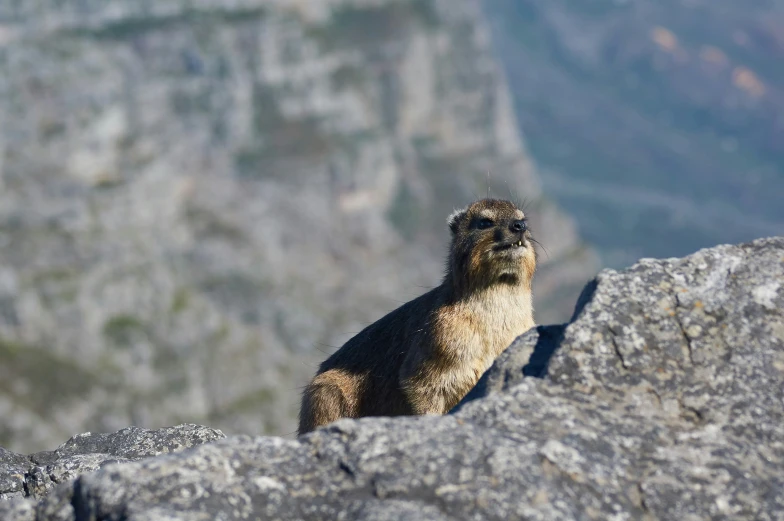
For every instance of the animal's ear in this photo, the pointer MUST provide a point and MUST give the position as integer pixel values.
(454, 219)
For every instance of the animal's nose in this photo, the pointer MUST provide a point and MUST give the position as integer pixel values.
(518, 226)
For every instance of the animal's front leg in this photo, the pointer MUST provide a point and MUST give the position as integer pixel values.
(420, 381)
(423, 398)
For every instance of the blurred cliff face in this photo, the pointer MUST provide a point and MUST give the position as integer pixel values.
(659, 123)
(197, 204)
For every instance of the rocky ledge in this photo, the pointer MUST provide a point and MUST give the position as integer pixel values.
(663, 398)
(34, 476)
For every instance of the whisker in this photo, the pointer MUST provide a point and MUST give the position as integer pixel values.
(319, 345)
(542, 246)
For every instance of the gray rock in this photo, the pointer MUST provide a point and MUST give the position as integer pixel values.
(132, 443)
(88, 452)
(696, 345)
(17, 509)
(12, 471)
(663, 400)
(36, 475)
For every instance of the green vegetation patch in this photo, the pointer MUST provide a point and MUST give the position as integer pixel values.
(369, 26)
(250, 402)
(347, 76)
(134, 26)
(180, 301)
(55, 286)
(207, 224)
(40, 380)
(260, 402)
(122, 330)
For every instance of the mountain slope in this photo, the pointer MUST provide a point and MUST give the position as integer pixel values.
(200, 202)
(659, 124)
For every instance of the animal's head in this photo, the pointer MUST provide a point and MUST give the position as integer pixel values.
(491, 244)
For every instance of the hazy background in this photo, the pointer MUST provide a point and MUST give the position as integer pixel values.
(658, 124)
(200, 200)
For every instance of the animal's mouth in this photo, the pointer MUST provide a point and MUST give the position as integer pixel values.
(509, 246)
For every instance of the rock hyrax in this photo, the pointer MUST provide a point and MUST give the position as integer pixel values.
(427, 354)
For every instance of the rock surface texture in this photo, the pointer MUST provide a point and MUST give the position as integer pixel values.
(663, 398)
(200, 199)
(34, 476)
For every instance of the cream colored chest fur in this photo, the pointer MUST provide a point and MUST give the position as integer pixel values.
(489, 322)
(474, 332)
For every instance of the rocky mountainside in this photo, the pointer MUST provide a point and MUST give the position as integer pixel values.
(662, 398)
(200, 200)
(658, 123)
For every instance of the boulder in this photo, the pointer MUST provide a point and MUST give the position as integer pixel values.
(662, 398)
(34, 476)
(12, 474)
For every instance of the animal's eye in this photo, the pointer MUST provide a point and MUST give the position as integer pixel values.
(483, 224)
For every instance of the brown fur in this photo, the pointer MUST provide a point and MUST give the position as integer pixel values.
(426, 355)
